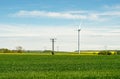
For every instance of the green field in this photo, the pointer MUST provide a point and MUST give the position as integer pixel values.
(59, 67)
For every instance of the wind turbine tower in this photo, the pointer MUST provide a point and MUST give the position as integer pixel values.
(79, 40)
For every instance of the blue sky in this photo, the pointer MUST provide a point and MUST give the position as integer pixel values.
(31, 24)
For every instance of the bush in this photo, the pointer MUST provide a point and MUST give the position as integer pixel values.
(47, 51)
(118, 52)
(104, 53)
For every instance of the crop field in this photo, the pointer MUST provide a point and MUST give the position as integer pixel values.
(59, 67)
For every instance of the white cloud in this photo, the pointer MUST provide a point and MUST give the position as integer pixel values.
(113, 10)
(110, 13)
(49, 14)
(85, 15)
(77, 12)
(114, 7)
(104, 31)
(23, 30)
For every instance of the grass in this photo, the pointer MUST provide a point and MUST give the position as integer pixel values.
(27, 66)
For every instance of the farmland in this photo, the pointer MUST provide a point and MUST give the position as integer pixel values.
(15, 66)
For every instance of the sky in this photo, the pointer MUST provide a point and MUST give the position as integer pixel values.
(32, 23)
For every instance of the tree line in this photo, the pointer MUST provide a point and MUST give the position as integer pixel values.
(18, 49)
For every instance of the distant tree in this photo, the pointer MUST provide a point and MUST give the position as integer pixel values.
(19, 49)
